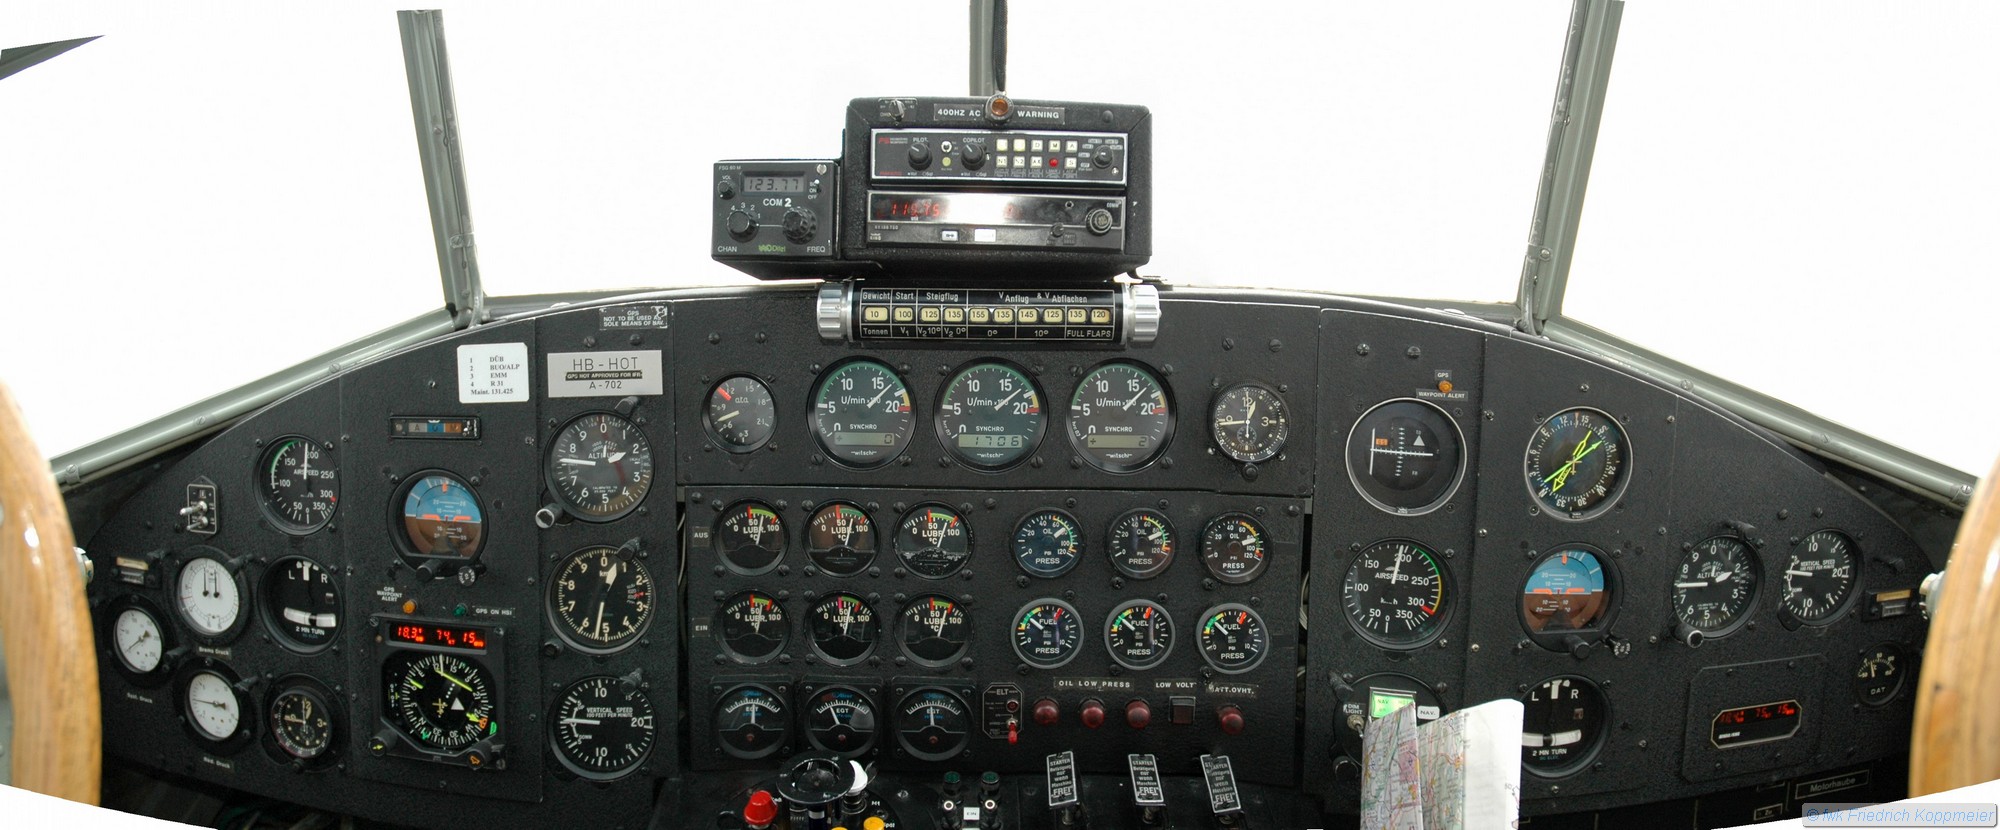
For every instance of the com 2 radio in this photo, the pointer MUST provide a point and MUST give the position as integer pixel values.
(992, 189)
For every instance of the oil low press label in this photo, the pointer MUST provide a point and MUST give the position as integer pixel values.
(591, 374)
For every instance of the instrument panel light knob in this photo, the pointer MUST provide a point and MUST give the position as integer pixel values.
(972, 154)
(920, 155)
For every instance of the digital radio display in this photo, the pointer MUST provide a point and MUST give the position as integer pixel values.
(773, 184)
(966, 209)
(1755, 724)
(463, 637)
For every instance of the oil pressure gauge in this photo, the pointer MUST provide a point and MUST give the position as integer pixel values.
(1248, 422)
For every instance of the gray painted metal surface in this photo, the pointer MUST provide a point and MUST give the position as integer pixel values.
(435, 110)
(1586, 69)
(986, 15)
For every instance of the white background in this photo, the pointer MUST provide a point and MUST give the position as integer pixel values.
(1799, 196)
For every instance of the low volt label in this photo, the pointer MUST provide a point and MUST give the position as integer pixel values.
(1146, 788)
(1062, 779)
(593, 374)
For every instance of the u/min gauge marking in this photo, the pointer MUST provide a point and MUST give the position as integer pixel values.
(862, 415)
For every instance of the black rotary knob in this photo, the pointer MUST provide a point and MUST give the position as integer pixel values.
(920, 155)
(800, 224)
(741, 225)
(1098, 220)
(725, 189)
(972, 154)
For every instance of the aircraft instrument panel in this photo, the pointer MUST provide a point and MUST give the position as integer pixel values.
(678, 558)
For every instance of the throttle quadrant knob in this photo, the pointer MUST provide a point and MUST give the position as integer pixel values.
(800, 224)
(741, 225)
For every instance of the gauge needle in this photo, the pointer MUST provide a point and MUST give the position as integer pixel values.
(1003, 401)
(215, 703)
(616, 457)
(1790, 572)
(461, 683)
(581, 722)
(725, 418)
(1244, 422)
(878, 396)
(1135, 399)
(578, 461)
(1695, 584)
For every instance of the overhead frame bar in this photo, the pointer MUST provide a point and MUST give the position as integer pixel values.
(435, 110)
(1586, 69)
(17, 58)
(988, 63)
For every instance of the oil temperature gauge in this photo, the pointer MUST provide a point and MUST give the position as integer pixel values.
(752, 627)
(840, 539)
(841, 720)
(750, 538)
(932, 724)
(843, 629)
(1248, 422)
(933, 541)
(751, 722)
(935, 631)
(1233, 638)
(1232, 546)
(1047, 633)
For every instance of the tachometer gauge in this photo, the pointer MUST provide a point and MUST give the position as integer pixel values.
(750, 538)
(1047, 543)
(600, 466)
(138, 640)
(601, 599)
(1562, 724)
(442, 702)
(752, 627)
(933, 541)
(302, 721)
(1576, 463)
(1139, 634)
(299, 482)
(1047, 633)
(442, 518)
(1232, 547)
(1396, 594)
(1880, 676)
(841, 720)
(1248, 422)
(213, 708)
(1405, 456)
(1715, 585)
(209, 594)
(751, 722)
(935, 631)
(1120, 417)
(1568, 590)
(861, 414)
(1233, 638)
(932, 724)
(840, 539)
(602, 727)
(740, 416)
(302, 603)
(843, 629)
(990, 416)
(1142, 543)
(1820, 577)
